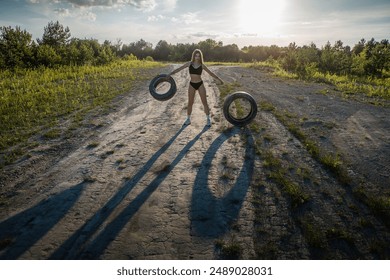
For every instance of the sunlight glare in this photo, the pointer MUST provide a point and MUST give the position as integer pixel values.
(261, 17)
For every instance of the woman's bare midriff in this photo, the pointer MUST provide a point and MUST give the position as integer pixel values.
(195, 78)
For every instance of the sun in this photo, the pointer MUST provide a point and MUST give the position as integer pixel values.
(261, 17)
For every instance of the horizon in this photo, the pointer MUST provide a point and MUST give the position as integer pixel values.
(240, 22)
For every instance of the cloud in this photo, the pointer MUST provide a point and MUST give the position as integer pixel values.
(63, 12)
(246, 35)
(84, 9)
(187, 19)
(199, 36)
(83, 13)
(144, 5)
(168, 5)
(154, 18)
(190, 18)
(204, 35)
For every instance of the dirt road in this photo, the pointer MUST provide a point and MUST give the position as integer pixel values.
(323, 174)
(133, 183)
(142, 187)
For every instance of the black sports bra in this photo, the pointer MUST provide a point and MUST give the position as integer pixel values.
(194, 70)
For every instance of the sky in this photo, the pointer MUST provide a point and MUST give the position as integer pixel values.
(242, 22)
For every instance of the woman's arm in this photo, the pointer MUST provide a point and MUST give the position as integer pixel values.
(211, 73)
(187, 64)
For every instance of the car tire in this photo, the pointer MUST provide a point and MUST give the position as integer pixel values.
(158, 80)
(244, 120)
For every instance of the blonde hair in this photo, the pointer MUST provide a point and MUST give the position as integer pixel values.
(194, 53)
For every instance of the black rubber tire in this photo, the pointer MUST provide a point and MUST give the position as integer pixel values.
(158, 80)
(245, 120)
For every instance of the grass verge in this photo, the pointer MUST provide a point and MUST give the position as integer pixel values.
(378, 204)
(348, 85)
(33, 101)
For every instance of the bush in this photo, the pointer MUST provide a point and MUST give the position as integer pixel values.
(15, 48)
(130, 57)
(105, 55)
(47, 56)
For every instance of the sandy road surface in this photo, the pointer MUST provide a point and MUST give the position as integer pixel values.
(143, 187)
(343, 216)
(138, 185)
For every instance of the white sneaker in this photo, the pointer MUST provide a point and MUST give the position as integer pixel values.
(208, 122)
(187, 122)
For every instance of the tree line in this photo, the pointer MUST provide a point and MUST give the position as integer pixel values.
(57, 47)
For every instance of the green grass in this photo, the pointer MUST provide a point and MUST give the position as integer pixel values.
(321, 237)
(52, 134)
(11, 156)
(230, 250)
(314, 235)
(276, 172)
(329, 160)
(279, 173)
(240, 111)
(379, 204)
(32, 101)
(371, 87)
(227, 89)
(349, 85)
(216, 63)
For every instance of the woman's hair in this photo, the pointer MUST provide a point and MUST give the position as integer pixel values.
(194, 53)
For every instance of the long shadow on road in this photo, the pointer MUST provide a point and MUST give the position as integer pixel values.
(75, 244)
(20, 232)
(211, 216)
(205, 217)
(97, 246)
(79, 246)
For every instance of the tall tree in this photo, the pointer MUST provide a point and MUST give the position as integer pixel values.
(359, 47)
(162, 50)
(15, 47)
(55, 35)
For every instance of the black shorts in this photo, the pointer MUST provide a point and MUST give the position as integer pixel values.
(196, 85)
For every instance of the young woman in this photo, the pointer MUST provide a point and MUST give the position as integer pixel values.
(195, 66)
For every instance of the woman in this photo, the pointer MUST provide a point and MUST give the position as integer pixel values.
(196, 65)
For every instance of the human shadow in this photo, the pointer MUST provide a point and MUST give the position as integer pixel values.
(212, 216)
(78, 243)
(97, 246)
(21, 231)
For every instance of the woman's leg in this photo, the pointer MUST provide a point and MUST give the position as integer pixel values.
(191, 97)
(203, 97)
